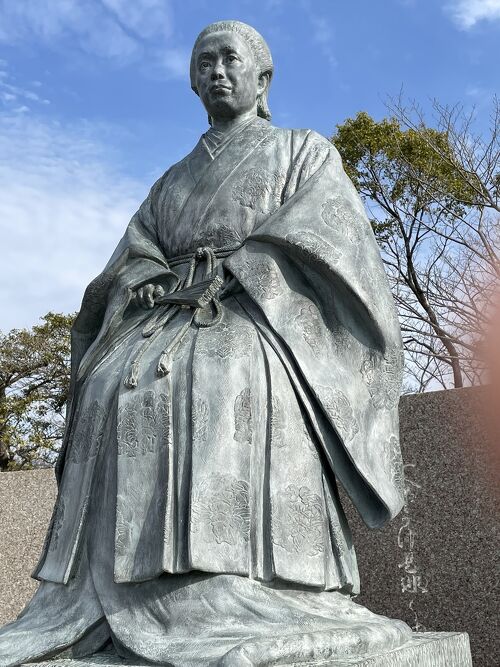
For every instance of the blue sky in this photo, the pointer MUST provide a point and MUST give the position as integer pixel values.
(95, 104)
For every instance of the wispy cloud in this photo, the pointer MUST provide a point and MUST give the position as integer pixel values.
(174, 61)
(323, 36)
(475, 91)
(466, 13)
(64, 204)
(121, 31)
(321, 32)
(14, 97)
(274, 5)
(145, 18)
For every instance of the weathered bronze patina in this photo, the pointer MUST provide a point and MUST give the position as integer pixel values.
(239, 354)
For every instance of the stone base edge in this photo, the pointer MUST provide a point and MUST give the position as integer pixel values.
(425, 649)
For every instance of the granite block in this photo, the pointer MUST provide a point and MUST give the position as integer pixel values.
(435, 566)
(26, 501)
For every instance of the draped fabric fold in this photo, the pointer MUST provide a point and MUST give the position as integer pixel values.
(230, 438)
(317, 279)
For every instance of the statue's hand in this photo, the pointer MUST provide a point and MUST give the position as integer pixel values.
(147, 294)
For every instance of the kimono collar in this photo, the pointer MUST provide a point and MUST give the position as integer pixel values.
(215, 141)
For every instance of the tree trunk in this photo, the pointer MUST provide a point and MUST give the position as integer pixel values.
(4, 448)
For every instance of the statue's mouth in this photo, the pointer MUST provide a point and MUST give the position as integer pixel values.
(220, 89)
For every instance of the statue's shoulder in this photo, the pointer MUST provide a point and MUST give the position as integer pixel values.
(312, 138)
(171, 174)
(162, 183)
(179, 166)
(304, 137)
(311, 146)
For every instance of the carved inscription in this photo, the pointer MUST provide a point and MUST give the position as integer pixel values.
(413, 581)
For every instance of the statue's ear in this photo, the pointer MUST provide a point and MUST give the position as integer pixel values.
(262, 91)
(263, 83)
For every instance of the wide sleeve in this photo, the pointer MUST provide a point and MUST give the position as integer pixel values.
(137, 260)
(314, 283)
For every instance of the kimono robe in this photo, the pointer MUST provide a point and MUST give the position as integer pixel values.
(211, 441)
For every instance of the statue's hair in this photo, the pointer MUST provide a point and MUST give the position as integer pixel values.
(257, 45)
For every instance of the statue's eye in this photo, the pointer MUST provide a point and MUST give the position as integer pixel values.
(231, 58)
(204, 64)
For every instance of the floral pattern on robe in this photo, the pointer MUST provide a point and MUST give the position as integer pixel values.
(229, 462)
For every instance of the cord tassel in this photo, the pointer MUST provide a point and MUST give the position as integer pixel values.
(164, 364)
(159, 321)
(198, 300)
(133, 377)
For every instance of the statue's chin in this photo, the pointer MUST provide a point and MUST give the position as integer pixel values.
(224, 109)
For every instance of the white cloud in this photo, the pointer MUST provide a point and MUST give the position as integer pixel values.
(63, 208)
(473, 91)
(146, 18)
(274, 5)
(323, 36)
(122, 31)
(466, 13)
(322, 32)
(174, 61)
(11, 95)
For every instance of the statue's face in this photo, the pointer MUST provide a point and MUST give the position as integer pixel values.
(226, 75)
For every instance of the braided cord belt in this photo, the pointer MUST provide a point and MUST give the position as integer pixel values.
(202, 317)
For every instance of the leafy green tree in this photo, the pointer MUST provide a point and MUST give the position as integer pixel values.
(34, 381)
(433, 198)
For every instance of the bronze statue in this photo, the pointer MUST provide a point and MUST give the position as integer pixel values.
(239, 354)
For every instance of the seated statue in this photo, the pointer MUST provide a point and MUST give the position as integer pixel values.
(239, 355)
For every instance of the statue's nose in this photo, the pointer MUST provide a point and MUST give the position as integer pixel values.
(218, 72)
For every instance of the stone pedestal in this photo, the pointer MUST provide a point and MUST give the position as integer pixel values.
(426, 649)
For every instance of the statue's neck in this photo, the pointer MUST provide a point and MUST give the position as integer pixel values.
(228, 125)
(219, 135)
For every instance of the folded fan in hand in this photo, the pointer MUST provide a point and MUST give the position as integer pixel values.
(196, 296)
